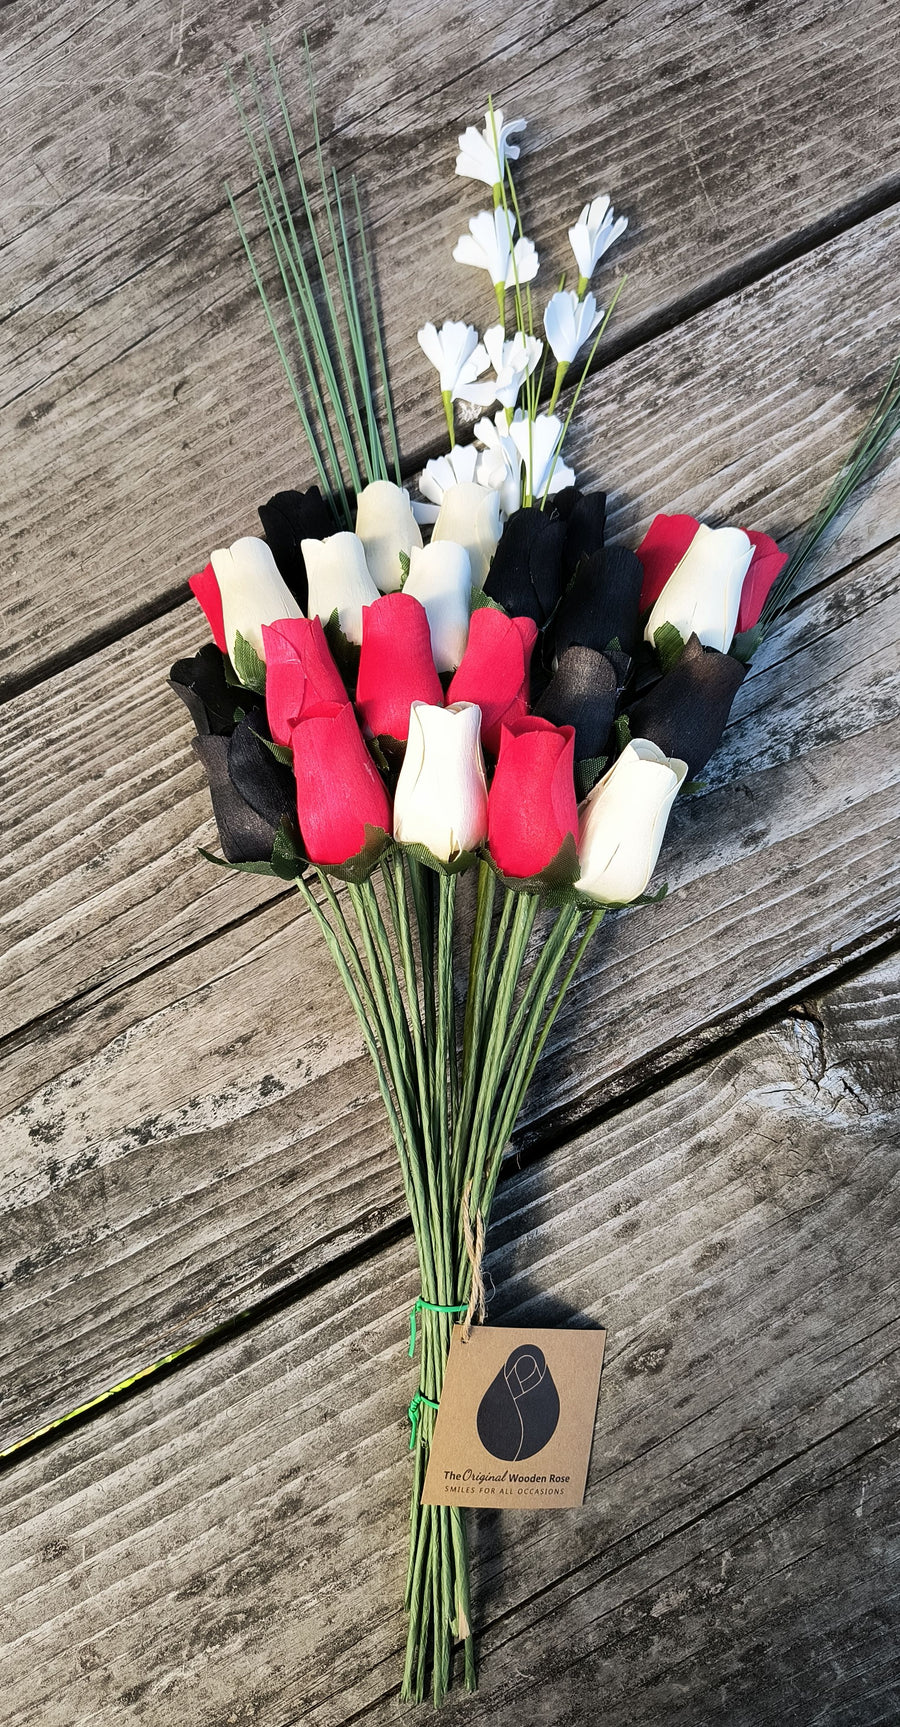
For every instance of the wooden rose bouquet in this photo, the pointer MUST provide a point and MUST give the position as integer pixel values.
(449, 740)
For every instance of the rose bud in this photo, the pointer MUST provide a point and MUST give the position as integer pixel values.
(584, 514)
(288, 519)
(470, 515)
(386, 526)
(395, 665)
(441, 799)
(494, 670)
(582, 694)
(600, 605)
(623, 821)
(703, 593)
(531, 805)
(339, 581)
(339, 790)
(661, 551)
(686, 711)
(440, 578)
(211, 701)
(250, 791)
(252, 592)
(205, 590)
(766, 566)
(668, 538)
(300, 673)
(526, 574)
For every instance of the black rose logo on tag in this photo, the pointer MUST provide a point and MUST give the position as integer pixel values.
(519, 1412)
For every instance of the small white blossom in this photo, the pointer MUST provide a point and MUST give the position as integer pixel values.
(512, 361)
(484, 155)
(569, 322)
(456, 352)
(536, 442)
(489, 246)
(455, 469)
(499, 462)
(593, 234)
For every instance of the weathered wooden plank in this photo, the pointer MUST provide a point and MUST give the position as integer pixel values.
(210, 1132)
(101, 877)
(141, 393)
(229, 1545)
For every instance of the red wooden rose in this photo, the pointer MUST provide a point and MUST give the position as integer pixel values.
(300, 673)
(494, 671)
(339, 790)
(205, 590)
(396, 666)
(532, 804)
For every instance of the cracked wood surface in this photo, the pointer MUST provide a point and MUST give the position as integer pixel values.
(141, 396)
(229, 1546)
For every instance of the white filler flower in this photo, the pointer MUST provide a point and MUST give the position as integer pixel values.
(456, 352)
(457, 468)
(489, 246)
(484, 155)
(441, 796)
(499, 463)
(623, 820)
(569, 322)
(339, 581)
(252, 590)
(536, 441)
(513, 362)
(593, 234)
(703, 593)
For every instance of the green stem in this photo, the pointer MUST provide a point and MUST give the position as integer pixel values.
(562, 366)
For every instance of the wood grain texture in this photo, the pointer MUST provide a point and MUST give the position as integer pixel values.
(100, 876)
(204, 1135)
(229, 1545)
(144, 414)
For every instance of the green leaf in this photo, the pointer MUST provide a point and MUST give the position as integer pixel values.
(591, 904)
(690, 788)
(745, 645)
(287, 861)
(479, 599)
(622, 730)
(554, 885)
(250, 668)
(669, 645)
(442, 866)
(359, 868)
(587, 773)
(282, 752)
(404, 566)
(261, 868)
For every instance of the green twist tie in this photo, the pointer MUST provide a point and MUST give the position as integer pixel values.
(413, 1413)
(421, 1306)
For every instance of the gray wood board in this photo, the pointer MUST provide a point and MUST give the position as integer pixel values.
(143, 396)
(229, 1545)
(210, 1132)
(106, 802)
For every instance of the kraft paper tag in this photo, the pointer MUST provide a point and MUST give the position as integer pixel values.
(516, 1419)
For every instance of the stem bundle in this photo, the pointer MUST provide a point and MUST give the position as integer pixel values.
(452, 1084)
